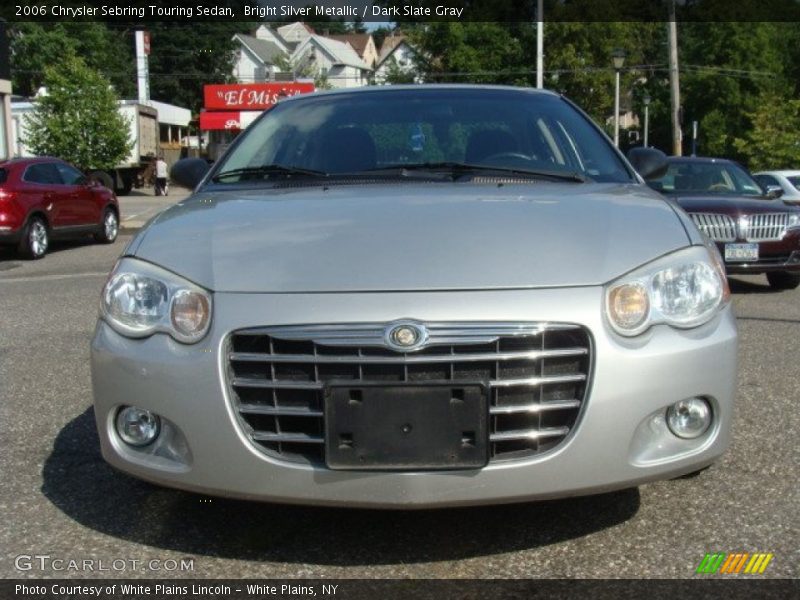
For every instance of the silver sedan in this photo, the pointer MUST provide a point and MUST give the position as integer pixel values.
(413, 297)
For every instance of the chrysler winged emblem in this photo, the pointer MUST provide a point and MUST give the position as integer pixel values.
(405, 336)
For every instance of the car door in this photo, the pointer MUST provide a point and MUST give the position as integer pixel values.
(79, 195)
(42, 183)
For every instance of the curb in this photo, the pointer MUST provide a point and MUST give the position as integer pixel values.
(130, 227)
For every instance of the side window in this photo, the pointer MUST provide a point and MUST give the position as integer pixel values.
(766, 180)
(42, 173)
(69, 175)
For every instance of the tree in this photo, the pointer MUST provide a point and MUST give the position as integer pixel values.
(78, 118)
(395, 74)
(34, 46)
(773, 141)
(725, 69)
(466, 52)
(183, 59)
(303, 69)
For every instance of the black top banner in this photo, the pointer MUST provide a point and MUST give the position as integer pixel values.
(402, 11)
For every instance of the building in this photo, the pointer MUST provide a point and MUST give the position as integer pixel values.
(257, 57)
(362, 43)
(333, 61)
(396, 57)
(294, 51)
(5, 94)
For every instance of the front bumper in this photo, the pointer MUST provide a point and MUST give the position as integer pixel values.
(9, 235)
(620, 440)
(781, 255)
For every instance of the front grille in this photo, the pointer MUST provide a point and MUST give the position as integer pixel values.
(767, 227)
(720, 228)
(537, 376)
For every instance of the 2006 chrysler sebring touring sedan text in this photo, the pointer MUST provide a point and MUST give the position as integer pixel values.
(416, 296)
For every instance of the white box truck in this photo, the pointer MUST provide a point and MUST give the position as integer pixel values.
(143, 132)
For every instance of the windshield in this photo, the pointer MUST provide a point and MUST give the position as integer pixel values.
(372, 132)
(707, 178)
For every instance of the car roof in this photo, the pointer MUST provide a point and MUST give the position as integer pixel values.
(699, 160)
(28, 160)
(419, 87)
(784, 172)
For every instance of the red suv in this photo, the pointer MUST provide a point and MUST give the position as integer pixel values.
(44, 198)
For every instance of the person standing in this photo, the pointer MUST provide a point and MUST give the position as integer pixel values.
(162, 172)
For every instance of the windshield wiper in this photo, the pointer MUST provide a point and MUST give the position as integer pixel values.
(458, 168)
(268, 170)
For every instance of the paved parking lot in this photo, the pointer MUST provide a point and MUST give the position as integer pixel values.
(59, 498)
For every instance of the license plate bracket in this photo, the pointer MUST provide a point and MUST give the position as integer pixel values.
(408, 427)
(741, 252)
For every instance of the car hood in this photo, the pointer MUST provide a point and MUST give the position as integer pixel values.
(732, 205)
(415, 236)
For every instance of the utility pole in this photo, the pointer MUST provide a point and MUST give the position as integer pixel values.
(540, 44)
(142, 71)
(674, 83)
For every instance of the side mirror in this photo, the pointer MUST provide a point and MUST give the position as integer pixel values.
(188, 172)
(648, 162)
(774, 192)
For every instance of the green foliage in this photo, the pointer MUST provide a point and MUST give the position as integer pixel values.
(304, 70)
(396, 74)
(773, 142)
(184, 58)
(466, 52)
(78, 120)
(726, 68)
(379, 34)
(34, 46)
(579, 62)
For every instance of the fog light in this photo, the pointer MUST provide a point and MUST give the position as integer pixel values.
(136, 426)
(690, 418)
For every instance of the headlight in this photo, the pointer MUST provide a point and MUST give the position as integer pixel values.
(141, 299)
(794, 220)
(684, 289)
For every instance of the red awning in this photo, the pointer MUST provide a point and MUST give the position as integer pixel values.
(226, 119)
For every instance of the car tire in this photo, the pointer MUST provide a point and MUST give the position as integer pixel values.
(35, 239)
(109, 227)
(781, 280)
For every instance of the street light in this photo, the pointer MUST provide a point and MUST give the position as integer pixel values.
(646, 101)
(618, 56)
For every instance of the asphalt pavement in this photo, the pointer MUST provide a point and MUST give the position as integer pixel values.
(58, 498)
(142, 205)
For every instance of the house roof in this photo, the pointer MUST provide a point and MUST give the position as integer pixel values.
(358, 41)
(265, 51)
(341, 52)
(286, 30)
(389, 45)
(273, 32)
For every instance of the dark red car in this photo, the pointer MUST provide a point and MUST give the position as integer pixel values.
(755, 231)
(46, 198)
